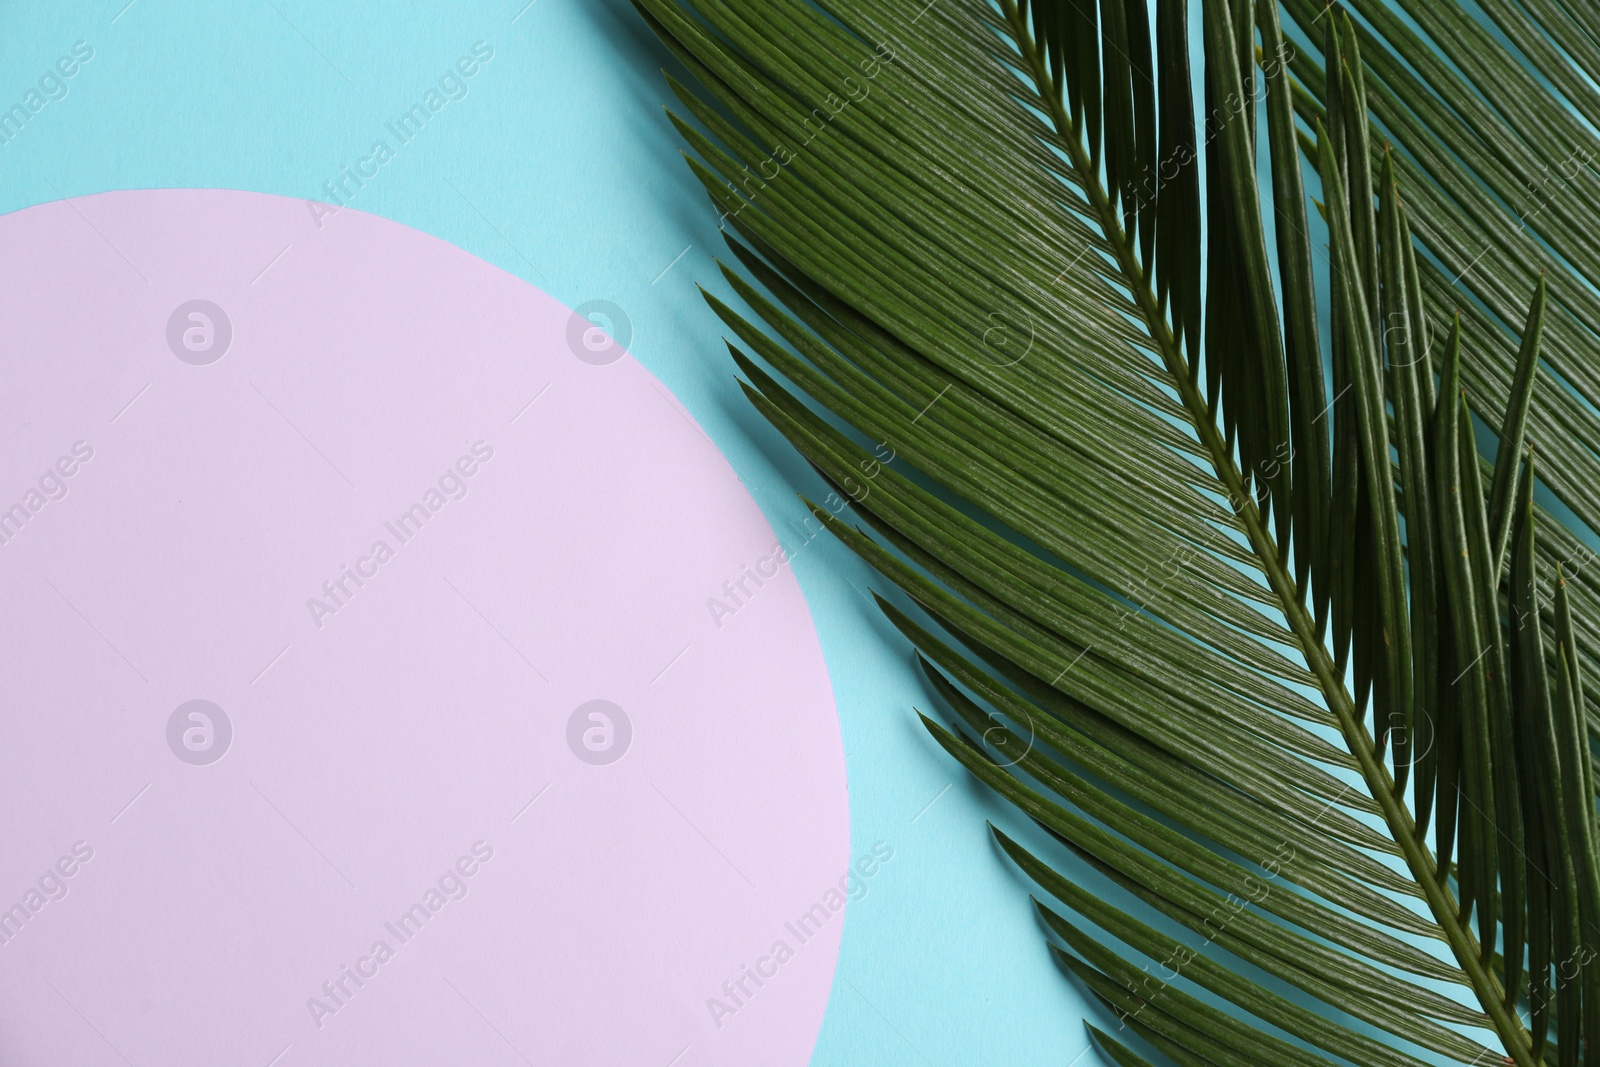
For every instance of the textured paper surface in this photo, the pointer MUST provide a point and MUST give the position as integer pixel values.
(249, 405)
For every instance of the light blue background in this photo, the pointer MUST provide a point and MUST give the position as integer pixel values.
(560, 167)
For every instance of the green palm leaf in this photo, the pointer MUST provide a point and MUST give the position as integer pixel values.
(1208, 570)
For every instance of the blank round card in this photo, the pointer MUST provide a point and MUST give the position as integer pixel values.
(393, 672)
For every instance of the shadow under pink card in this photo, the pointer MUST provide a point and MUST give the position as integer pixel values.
(363, 700)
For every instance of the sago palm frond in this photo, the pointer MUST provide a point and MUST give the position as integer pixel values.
(1182, 478)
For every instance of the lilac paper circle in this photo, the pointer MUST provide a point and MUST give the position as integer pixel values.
(399, 534)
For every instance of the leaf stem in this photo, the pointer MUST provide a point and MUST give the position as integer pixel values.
(1380, 784)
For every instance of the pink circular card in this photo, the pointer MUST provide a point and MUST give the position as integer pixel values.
(393, 671)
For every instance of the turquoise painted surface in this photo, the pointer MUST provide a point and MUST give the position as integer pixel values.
(555, 162)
